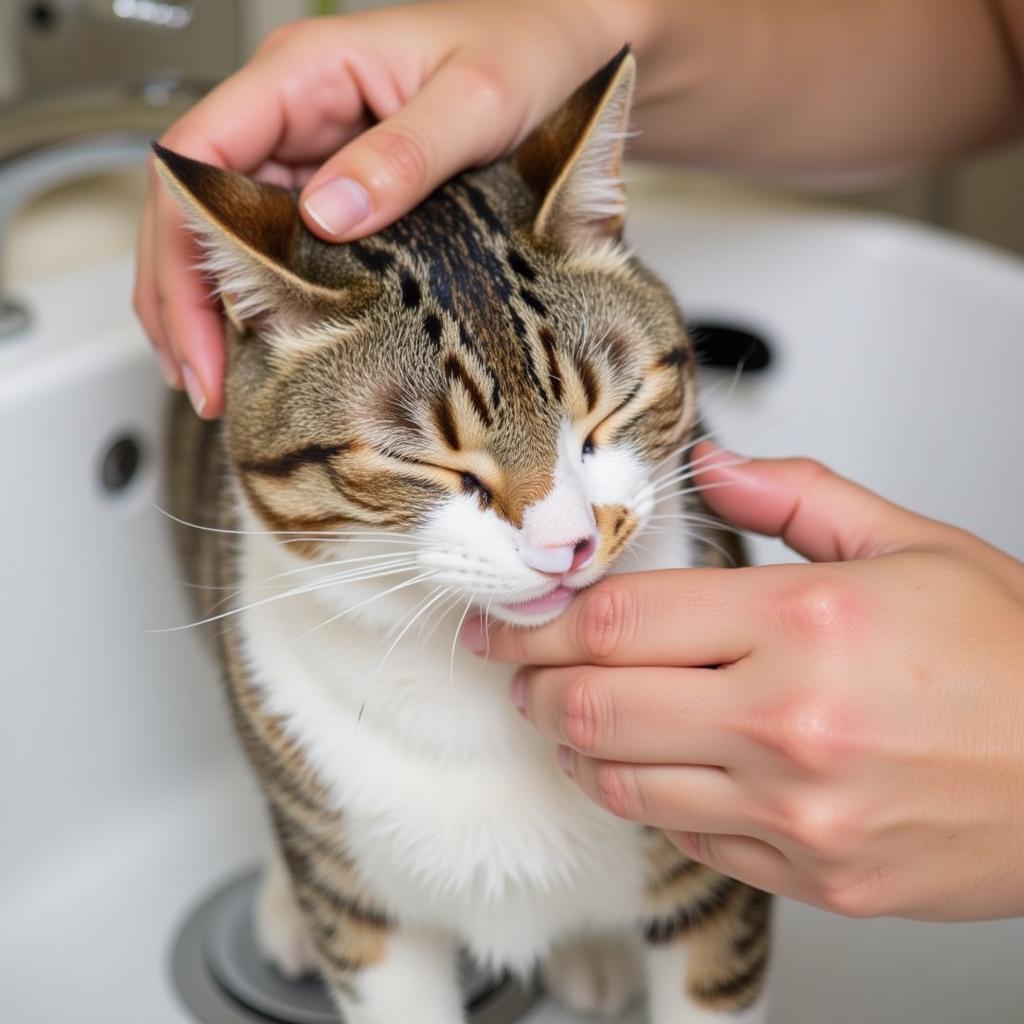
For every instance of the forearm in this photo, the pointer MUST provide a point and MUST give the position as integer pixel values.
(819, 86)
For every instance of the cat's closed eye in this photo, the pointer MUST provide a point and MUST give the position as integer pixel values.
(473, 485)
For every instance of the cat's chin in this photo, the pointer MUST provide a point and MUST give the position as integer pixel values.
(538, 611)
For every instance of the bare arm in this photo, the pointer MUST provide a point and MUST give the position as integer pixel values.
(369, 113)
(827, 85)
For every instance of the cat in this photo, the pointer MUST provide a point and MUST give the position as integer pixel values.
(479, 409)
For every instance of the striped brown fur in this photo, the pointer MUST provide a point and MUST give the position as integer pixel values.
(446, 352)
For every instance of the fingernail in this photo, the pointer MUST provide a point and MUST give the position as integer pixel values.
(338, 205)
(517, 691)
(472, 635)
(168, 370)
(564, 756)
(196, 394)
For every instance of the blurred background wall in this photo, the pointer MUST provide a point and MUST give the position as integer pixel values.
(48, 44)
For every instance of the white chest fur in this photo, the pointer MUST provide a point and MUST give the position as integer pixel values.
(454, 807)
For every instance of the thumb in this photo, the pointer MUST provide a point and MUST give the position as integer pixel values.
(818, 513)
(457, 120)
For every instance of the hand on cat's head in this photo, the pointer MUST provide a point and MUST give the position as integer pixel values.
(444, 86)
(495, 376)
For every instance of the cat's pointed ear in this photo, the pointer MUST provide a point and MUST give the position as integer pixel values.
(573, 161)
(268, 268)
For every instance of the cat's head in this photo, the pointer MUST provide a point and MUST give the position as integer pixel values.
(494, 376)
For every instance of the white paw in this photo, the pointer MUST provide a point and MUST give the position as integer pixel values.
(281, 934)
(593, 974)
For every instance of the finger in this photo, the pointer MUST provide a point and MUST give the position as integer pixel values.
(745, 858)
(189, 314)
(390, 168)
(248, 119)
(818, 513)
(146, 302)
(688, 617)
(680, 797)
(641, 715)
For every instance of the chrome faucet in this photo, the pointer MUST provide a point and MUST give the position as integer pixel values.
(59, 138)
(88, 89)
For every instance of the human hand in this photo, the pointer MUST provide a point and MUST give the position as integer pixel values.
(452, 85)
(860, 745)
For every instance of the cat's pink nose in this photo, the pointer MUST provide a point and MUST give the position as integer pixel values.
(582, 552)
(560, 559)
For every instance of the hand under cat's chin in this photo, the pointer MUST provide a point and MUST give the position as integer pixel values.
(549, 606)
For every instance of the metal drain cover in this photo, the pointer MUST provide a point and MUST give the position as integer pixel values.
(220, 975)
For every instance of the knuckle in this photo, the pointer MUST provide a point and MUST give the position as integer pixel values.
(823, 610)
(857, 897)
(584, 715)
(810, 470)
(620, 791)
(819, 828)
(604, 622)
(483, 87)
(811, 736)
(405, 154)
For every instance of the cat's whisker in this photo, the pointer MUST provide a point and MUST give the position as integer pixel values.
(450, 604)
(368, 601)
(395, 627)
(730, 384)
(700, 488)
(674, 475)
(299, 536)
(692, 443)
(399, 559)
(487, 624)
(455, 640)
(697, 520)
(384, 559)
(683, 478)
(330, 581)
(439, 611)
(394, 560)
(700, 538)
(358, 538)
(694, 469)
(405, 629)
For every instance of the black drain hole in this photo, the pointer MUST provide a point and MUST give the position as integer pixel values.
(120, 464)
(726, 346)
(42, 17)
(221, 977)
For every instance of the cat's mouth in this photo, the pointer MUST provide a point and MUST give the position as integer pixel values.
(548, 606)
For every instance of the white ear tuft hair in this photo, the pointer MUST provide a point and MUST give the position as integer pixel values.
(244, 284)
(267, 268)
(579, 152)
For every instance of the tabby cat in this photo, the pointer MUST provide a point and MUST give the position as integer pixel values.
(482, 407)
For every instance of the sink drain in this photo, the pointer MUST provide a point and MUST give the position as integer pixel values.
(223, 979)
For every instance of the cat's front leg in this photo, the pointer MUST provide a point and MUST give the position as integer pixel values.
(413, 978)
(708, 942)
(377, 969)
(281, 933)
(675, 995)
(597, 975)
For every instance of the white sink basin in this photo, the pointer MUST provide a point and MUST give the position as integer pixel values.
(898, 360)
